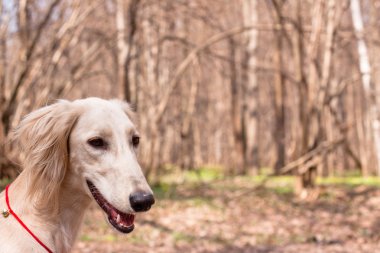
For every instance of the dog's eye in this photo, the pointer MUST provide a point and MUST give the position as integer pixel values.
(97, 142)
(135, 140)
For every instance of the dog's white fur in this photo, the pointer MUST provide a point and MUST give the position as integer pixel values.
(50, 195)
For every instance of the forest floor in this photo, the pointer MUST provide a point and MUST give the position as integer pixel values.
(228, 215)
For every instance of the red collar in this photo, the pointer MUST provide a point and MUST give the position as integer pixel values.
(22, 223)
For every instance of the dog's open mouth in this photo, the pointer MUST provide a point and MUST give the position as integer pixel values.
(123, 222)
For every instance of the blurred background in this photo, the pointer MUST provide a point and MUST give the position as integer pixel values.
(260, 119)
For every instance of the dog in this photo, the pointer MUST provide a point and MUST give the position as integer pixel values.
(74, 152)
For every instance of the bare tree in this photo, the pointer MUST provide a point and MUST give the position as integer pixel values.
(250, 87)
(279, 88)
(125, 43)
(371, 120)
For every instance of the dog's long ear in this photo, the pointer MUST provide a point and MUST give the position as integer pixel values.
(43, 136)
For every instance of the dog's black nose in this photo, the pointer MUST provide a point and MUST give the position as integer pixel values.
(141, 201)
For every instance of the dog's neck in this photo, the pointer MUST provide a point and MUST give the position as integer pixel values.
(73, 203)
(64, 227)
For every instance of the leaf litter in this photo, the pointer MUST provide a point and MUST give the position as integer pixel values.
(210, 218)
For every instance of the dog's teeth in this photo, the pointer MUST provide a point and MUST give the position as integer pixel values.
(118, 218)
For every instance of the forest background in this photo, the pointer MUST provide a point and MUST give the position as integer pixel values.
(266, 99)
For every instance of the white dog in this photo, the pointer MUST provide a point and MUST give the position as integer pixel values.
(74, 152)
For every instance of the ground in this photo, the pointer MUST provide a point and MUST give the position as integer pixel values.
(229, 215)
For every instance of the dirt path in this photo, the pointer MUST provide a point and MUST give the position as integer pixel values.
(212, 219)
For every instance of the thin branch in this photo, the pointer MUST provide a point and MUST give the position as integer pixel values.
(10, 106)
(161, 108)
(324, 147)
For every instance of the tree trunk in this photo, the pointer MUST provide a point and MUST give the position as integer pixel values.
(313, 96)
(124, 45)
(279, 91)
(236, 113)
(250, 86)
(187, 133)
(371, 118)
(305, 180)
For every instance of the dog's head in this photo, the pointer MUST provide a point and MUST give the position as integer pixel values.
(90, 144)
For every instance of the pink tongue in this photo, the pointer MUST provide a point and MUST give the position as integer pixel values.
(126, 219)
(113, 214)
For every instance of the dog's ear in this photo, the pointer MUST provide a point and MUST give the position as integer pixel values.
(43, 137)
(127, 108)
